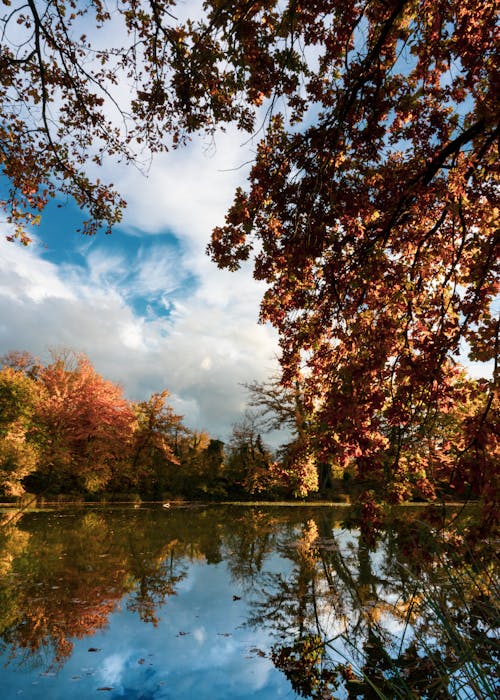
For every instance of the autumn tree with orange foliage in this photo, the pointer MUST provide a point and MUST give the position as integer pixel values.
(371, 209)
(84, 423)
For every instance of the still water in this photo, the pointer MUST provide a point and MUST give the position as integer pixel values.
(209, 603)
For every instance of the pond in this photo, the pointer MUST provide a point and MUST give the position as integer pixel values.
(219, 602)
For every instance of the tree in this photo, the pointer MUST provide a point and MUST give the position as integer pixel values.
(250, 467)
(200, 459)
(374, 221)
(453, 449)
(281, 407)
(212, 467)
(85, 425)
(19, 454)
(59, 104)
(152, 453)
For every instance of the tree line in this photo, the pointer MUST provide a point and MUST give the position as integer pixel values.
(64, 429)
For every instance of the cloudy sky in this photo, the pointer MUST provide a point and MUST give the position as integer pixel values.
(146, 304)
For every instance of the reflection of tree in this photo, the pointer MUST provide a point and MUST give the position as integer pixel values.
(383, 624)
(302, 663)
(156, 580)
(52, 602)
(70, 574)
(413, 617)
(64, 573)
(250, 543)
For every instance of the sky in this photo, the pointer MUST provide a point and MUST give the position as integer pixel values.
(146, 304)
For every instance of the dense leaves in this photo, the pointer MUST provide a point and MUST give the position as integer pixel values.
(375, 226)
(19, 395)
(152, 445)
(85, 424)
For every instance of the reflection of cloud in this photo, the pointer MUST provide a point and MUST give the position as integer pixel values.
(200, 634)
(112, 669)
(210, 659)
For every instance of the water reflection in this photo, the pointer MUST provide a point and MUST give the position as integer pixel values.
(228, 602)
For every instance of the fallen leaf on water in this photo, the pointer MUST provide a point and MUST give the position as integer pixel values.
(259, 652)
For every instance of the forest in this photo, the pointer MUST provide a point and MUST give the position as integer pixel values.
(66, 431)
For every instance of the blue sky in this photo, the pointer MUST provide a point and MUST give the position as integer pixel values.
(146, 304)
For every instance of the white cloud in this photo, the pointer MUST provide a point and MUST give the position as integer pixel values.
(200, 634)
(206, 363)
(202, 351)
(112, 669)
(19, 264)
(187, 190)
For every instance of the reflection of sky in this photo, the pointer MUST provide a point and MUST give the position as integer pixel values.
(198, 650)
(202, 647)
